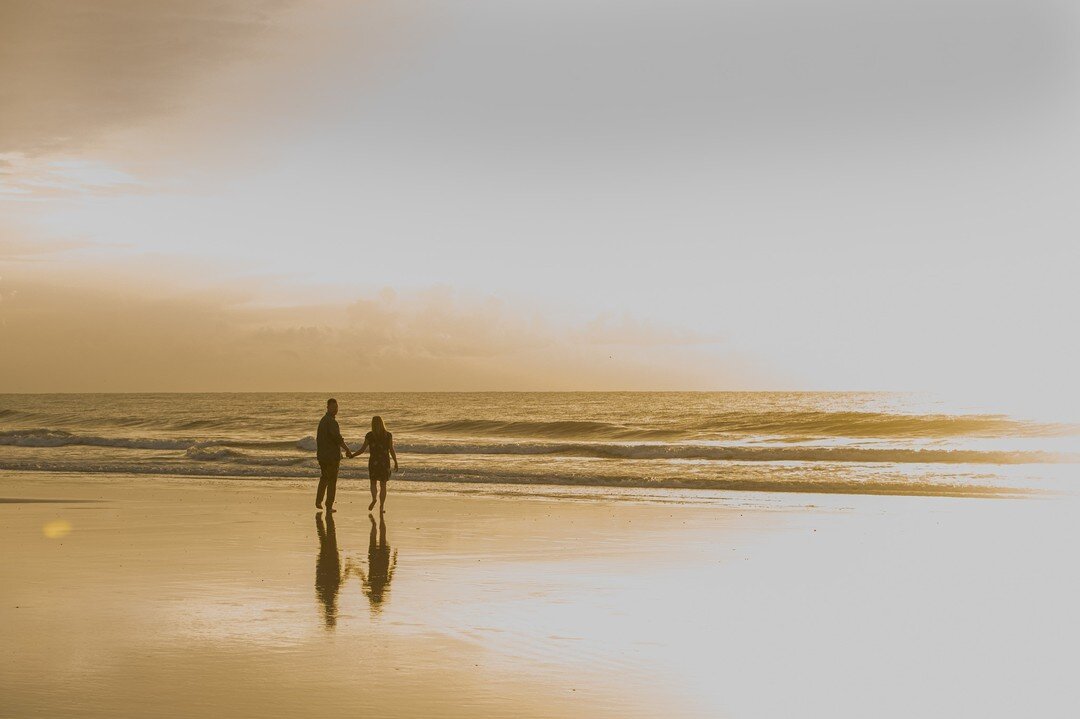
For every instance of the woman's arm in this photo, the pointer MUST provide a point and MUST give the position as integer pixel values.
(393, 453)
(360, 451)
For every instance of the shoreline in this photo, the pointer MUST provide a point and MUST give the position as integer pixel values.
(810, 488)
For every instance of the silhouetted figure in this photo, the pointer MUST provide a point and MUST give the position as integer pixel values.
(381, 566)
(329, 444)
(327, 569)
(381, 444)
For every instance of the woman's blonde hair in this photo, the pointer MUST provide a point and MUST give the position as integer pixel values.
(377, 425)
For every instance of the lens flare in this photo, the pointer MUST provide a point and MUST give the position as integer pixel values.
(57, 528)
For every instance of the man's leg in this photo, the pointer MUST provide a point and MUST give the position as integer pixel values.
(331, 483)
(323, 479)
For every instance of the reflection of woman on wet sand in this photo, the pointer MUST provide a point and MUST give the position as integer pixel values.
(328, 574)
(381, 444)
(381, 565)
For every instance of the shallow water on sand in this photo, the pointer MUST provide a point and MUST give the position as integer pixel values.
(235, 599)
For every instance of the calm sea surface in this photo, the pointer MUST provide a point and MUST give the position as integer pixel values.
(808, 442)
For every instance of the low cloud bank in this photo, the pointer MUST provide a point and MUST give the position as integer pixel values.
(86, 337)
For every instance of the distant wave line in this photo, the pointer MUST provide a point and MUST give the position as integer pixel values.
(45, 438)
(749, 454)
(779, 424)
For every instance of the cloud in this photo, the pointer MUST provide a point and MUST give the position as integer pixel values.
(870, 194)
(88, 337)
(14, 248)
(34, 179)
(72, 71)
(589, 77)
(17, 243)
(635, 79)
(625, 329)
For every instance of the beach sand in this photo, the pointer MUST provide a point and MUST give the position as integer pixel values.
(183, 597)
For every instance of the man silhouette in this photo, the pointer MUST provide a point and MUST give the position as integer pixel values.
(329, 444)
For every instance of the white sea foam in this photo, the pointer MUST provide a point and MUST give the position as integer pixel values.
(61, 438)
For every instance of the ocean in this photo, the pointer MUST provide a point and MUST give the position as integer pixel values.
(859, 443)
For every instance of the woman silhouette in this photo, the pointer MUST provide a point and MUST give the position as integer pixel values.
(381, 444)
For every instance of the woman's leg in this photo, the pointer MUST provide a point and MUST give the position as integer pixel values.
(373, 496)
(382, 494)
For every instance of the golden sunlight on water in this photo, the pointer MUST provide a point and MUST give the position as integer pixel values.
(874, 443)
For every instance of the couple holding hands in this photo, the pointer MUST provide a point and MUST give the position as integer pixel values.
(329, 444)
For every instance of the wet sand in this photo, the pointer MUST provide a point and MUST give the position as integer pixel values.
(130, 597)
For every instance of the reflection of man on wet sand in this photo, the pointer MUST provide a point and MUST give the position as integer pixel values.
(381, 566)
(327, 569)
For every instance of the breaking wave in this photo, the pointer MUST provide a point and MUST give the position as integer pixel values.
(744, 453)
(60, 438)
(204, 453)
(802, 425)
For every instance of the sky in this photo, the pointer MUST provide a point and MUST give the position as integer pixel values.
(778, 194)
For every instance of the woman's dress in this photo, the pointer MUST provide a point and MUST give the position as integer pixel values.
(379, 457)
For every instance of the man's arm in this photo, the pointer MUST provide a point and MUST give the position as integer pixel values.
(341, 440)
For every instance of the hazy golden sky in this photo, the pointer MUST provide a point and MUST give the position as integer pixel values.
(822, 194)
